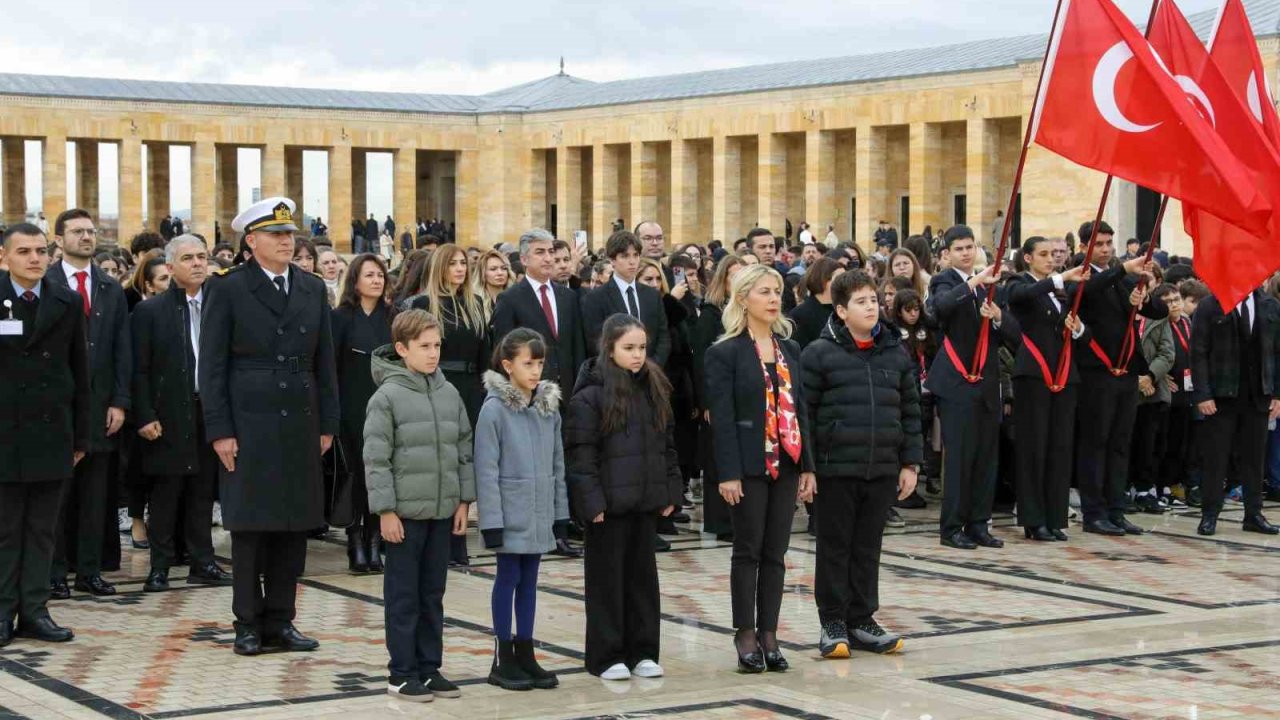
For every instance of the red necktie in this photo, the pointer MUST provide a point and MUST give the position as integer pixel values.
(546, 310)
(84, 291)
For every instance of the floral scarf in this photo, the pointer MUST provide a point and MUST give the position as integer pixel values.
(781, 426)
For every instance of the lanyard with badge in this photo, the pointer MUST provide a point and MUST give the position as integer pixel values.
(8, 326)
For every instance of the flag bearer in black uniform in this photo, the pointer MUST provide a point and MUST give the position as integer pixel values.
(269, 393)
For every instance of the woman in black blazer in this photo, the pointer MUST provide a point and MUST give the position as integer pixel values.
(361, 324)
(763, 462)
(1044, 415)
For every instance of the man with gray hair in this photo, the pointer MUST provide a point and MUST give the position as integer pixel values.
(174, 450)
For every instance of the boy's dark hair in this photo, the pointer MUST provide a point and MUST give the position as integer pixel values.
(409, 324)
(714, 245)
(843, 287)
(1194, 289)
(1086, 231)
(425, 240)
(559, 245)
(22, 228)
(509, 347)
(1164, 290)
(618, 384)
(144, 241)
(620, 242)
(759, 232)
(1178, 272)
(681, 260)
(740, 241)
(819, 274)
(223, 246)
(954, 233)
(60, 225)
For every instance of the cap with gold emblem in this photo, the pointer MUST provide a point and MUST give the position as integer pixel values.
(273, 213)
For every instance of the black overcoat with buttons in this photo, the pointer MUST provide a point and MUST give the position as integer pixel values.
(164, 368)
(110, 351)
(267, 379)
(44, 386)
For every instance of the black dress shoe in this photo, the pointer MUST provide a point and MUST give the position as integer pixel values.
(43, 628)
(679, 516)
(576, 532)
(564, 549)
(1040, 534)
(248, 642)
(140, 544)
(959, 541)
(661, 544)
(752, 662)
(1257, 523)
(983, 537)
(774, 660)
(208, 574)
(95, 585)
(1103, 527)
(913, 502)
(58, 590)
(1129, 528)
(157, 581)
(1208, 525)
(290, 640)
(6, 632)
(1059, 535)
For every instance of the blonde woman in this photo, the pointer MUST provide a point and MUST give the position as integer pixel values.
(489, 277)
(465, 347)
(762, 456)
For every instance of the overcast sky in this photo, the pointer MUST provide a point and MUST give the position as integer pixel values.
(477, 47)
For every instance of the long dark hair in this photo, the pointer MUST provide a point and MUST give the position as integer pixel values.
(348, 297)
(413, 276)
(619, 385)
(509, 347)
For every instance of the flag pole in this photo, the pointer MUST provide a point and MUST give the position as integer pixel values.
(1130, 341)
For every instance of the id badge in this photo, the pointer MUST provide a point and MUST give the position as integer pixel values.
(10, 328)
(1186, 380)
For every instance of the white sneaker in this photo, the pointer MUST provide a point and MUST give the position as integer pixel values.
(217, 514)
(1073, 498)
(617, 672)
(647, 669)
(124, 521)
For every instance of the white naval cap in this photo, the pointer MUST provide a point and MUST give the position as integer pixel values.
(273, 213)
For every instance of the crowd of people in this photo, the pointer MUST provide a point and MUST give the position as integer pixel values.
(567, 401)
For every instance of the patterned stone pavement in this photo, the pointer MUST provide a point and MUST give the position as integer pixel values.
(1168, 625)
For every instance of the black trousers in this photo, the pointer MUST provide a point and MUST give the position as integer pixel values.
(1178, 459)
(28, 514)
(1238, 429)
(851, 516)
(182, 503)
(715, 511)
(761, 536)
(82, 519)
(1108, 406)
(624, 608)
(266, 567)
(1149, 430)
(413, 592)
(971, 443)
(1044, 424)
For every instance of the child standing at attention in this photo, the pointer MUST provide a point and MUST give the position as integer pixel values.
(418, 469)
(620, 440)
(523, 503)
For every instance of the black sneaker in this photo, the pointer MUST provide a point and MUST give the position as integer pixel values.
(408, 689)
(1193, 497)
(868, 635)
(1149, 504)
(913, 502)
(440, 686)
(833, 641)
(895, 520)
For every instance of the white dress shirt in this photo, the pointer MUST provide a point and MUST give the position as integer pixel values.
(74, 284)
(1247, 304)
(193, 329)
(622, 288)
(272, 278)
(551, 296)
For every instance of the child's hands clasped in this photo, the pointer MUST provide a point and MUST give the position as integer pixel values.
(392, 528)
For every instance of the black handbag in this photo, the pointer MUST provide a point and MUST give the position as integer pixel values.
(342, 509)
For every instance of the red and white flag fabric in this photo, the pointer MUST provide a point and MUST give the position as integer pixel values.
(1231, 260)
(1234, 50)
(1108, 103)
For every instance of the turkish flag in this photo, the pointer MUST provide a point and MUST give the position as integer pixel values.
(1235, 51)
(1107, 103)
(1231, 261)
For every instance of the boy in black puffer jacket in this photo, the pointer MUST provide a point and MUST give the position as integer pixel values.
(864, 406)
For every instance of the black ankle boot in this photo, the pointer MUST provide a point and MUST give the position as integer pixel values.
(357, 553)
(373, 535)
(505, 671)
(541, 679)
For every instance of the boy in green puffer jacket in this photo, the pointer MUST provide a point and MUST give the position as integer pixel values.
(420, 476)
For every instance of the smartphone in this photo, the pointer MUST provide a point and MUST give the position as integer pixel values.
(678, 273)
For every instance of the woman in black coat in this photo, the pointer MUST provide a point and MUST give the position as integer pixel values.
(763, 462)
(810, 316)
(361, 324)
(464, 352)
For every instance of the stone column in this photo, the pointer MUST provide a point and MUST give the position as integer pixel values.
(604, 192)
(293, 177)
(683, 193)
(130, 183)
(981, 202)
(869, 178)
(724, 188)
(467, 197)
(273, 171)
(157, 184)
(359, 186)
(55, 176)
(14, 158)
(87, 191)
(404, 190)
(537, 189)
(644, 183)
(819, 182)
(569, 191)
(340, 194)
(228, 190)
(771, 178)
(204, 188)
(925, 176)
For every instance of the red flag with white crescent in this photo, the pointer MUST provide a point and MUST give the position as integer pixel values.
(1234, 50)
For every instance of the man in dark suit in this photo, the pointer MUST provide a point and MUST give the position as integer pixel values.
(371, 234)
(1110, 378)
(166, 227)
(623, 294)
(968, 397)
(552, 310)
(1233, 385)
(166, 406)
(268, 389)
(89, 507)
(44, 426)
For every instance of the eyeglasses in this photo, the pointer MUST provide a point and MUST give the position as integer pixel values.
(652, 238)
(82, 232)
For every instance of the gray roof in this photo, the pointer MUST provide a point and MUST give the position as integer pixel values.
(562, 92)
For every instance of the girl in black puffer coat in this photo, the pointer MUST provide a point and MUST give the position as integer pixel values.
(623, 473)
